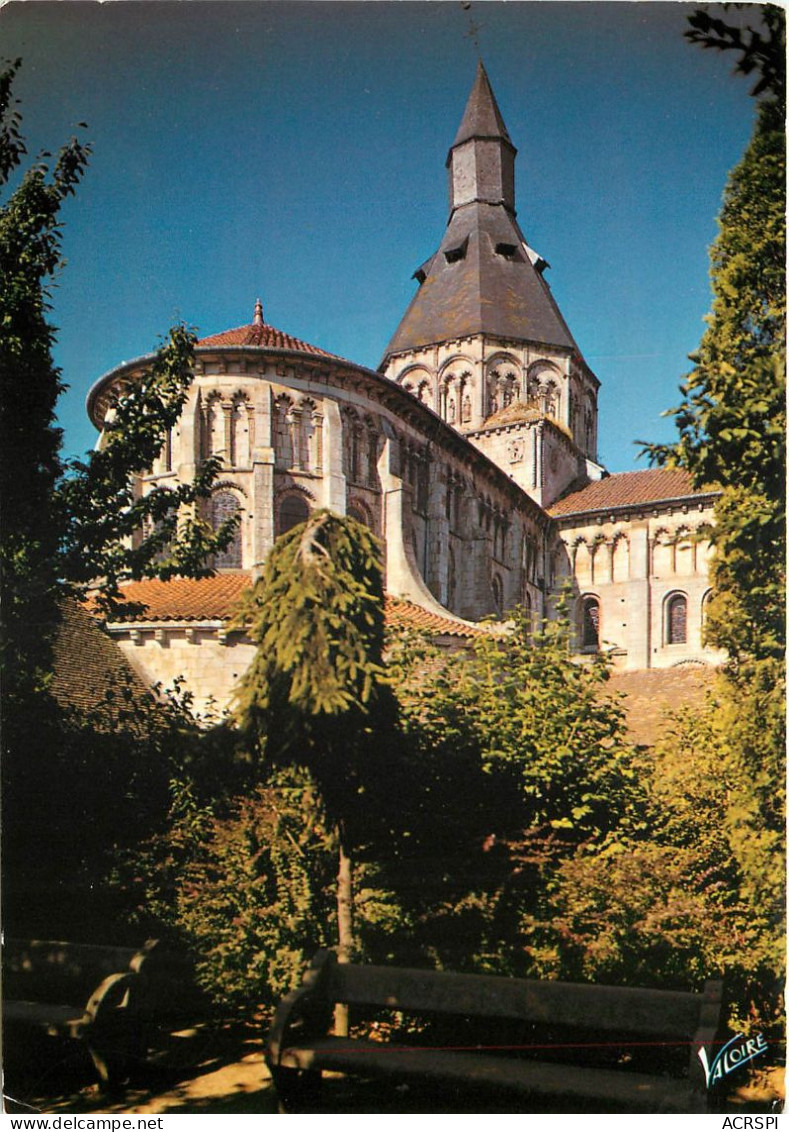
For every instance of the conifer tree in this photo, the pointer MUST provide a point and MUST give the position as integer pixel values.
(313, 695)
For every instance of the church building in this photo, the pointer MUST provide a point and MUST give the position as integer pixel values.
(471, 452)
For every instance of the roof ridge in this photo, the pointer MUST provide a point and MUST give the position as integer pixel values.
(635, 488)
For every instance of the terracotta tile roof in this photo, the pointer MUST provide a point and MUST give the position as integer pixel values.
(215, 599)
(183, 599)
(404, 614)
(650, 695)
(86, 662)
(261, 334)
(628, 489)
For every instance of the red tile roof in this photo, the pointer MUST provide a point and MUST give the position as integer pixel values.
(404, 614)
(182, 599)
(629, 489)
(86, 663)
(261, 334)
(651, 695)
(215, 599)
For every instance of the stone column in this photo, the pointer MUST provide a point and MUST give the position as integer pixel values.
(262, 481)
(639, 613)
(436, 560)
(333, 484)
(227, 421)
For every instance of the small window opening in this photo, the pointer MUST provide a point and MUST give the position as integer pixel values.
(452, 255)
(507, 251)
(293, 510)
(590, 627)
(677, 620)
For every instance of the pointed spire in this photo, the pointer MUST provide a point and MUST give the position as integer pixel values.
(481, 161)
(484, 279)
(258, 319)
(482, 117)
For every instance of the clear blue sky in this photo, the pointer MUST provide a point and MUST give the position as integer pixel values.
(296, 151)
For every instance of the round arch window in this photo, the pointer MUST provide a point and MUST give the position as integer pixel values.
(498, 594)
(293, 510)
(224, 505)
(677, 620)
(590, 624)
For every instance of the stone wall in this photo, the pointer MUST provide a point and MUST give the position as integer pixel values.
(649, 574)
(207, 660)
(296, 433)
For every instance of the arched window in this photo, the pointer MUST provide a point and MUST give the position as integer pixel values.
(371, 463)
(166, 454)
(705, 606)
(283, 438)
(498, 593)
(359, 512)
(677, 620)
(352, 437)
(240, 432)
(528, 614)
(213, 427)
(224, 505)
(590, 624)
(151, 529)
(451, 579)
(293, 510)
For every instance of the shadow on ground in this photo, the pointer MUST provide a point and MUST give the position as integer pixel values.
(208, 1068)
(215, 1068)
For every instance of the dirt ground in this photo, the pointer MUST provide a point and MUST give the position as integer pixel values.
(219, 1069)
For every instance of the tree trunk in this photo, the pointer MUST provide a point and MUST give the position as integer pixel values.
(344, 929)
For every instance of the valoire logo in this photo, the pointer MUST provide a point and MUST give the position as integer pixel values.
(735, 1053)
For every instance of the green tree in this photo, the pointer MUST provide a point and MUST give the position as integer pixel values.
(760, 49)
(30, 384)
(314, 694)
(732, 421)
(691, 890)
(112, 532)
(67, 526)
(245, 883)
(80, 523)
(732, 425)
(520, 757)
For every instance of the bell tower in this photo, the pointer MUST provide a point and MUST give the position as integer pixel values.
(483, 342)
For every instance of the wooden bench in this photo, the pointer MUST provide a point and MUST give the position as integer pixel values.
(85, 992)
(576, 1042)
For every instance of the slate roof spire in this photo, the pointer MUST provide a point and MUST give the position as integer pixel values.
(484, 278)
(482, 117)
(481, 161)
